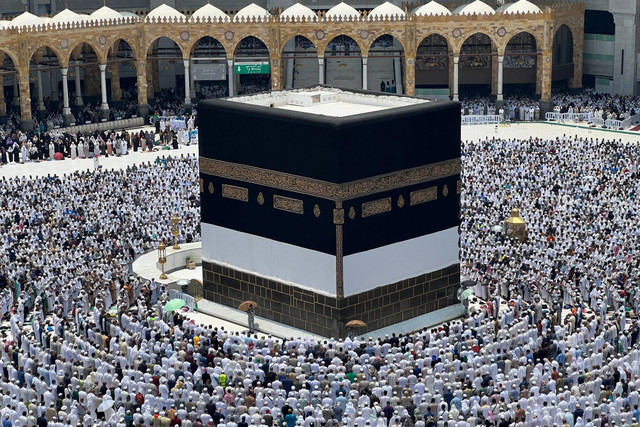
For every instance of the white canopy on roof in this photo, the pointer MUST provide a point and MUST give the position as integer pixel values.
(66, 17)
(522, 6)
(105, 14)
(25, 19)
(478, 7)
(252, 11)
(209, 12)
(342, 10)
(298, 11)
(384, 10)
(164, 11)
(432, 8)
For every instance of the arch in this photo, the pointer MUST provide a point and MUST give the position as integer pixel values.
(8, 66)
(256, 37)
(368, 46)
(295, 36)
(14, 58)
(433, 62)
(250, 49)
(537, 42)
(563, 46)
(443, 34)
(300, 62)
(207, 52)
(385, 64)
(343, 63)
(196, 45)
(337, 36)
(156, 39)
(44, 78)
(122, 67)
(101, 54)
(520, 62)
(62, 59)
(132, 45)
(165, 67)
(477, 57)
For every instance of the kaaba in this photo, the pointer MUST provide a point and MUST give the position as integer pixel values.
(325, 205)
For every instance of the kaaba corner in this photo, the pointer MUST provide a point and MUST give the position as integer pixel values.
(325, 205)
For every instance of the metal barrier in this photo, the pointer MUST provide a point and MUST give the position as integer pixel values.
(112, 125)
(553, 116)
(475, 119)
(188, 299)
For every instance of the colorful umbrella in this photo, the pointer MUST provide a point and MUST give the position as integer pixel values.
(174, 304)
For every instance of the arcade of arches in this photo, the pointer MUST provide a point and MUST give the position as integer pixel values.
(418, 55)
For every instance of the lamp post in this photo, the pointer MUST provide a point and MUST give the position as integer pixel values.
(175, 231)
(162, 259)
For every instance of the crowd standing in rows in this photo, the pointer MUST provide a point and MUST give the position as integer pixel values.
(554, 343)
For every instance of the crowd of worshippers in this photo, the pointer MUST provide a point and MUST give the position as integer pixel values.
(23, 147)
(555, 341)
(514, 108)
(601, 105)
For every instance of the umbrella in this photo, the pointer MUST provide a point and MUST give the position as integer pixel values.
(468, 283)
(174, 304)
(183, 282)
(355, 324)
(245, 305)
(497, 228)
(105, 405)
(466, 294)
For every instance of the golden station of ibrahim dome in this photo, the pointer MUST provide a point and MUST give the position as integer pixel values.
(419, 50)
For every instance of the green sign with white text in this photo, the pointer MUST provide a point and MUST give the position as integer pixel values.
(252, 68)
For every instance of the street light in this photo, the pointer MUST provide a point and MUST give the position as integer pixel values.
(162, 259)
(175, 231)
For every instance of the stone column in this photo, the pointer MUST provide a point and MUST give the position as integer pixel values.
(16, 95)
(397, 72)
(321, 71)
(365, 73)
(141, 74)
(53, 78)
(187, 84)
(40, 108)
(25, 101)
(230, 77)
(288, 83)
(116, 90)
(409, 76)
(103, 88)
(500, 78)
(66, 111)
(276, 70)
(3, 105)
(545, 92)
(79, 102)
(456, 60)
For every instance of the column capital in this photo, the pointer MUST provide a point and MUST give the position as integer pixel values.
(103, 67)
(500, 58)
(186, 62)
(64, 71)
(230, 62)
(364, 60)
(321, 61)
(456, 59)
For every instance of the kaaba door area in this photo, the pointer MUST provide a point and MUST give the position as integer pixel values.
(325, 206)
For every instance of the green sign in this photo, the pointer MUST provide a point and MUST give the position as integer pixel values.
(252, 68)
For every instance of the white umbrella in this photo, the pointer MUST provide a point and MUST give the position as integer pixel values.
(105, 405)
(497, 228)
